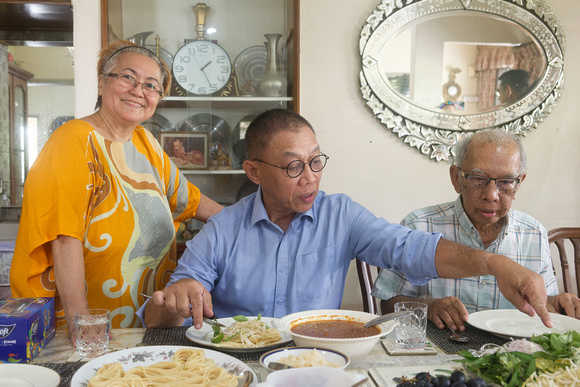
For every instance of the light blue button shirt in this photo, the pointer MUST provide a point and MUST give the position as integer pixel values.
(251, 266)
(522, 238)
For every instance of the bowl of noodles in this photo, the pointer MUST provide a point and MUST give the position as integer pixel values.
(300, 357)
(336, 329)
(240, 334)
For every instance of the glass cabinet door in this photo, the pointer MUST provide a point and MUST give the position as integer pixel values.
(19, 154)
(230, 61)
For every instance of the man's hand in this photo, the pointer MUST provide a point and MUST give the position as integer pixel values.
(565, 303)
(183, 299)
(520, 286)
(448, 311)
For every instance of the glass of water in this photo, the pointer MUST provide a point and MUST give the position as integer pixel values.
(412, 329)
(92, 332)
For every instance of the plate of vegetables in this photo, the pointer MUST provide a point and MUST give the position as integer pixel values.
(550, 356)
(240, 334)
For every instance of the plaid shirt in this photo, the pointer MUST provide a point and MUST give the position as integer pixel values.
(523, 239)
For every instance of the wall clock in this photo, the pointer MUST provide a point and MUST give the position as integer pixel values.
(201, 67)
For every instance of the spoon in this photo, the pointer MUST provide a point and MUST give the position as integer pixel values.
(274, 365)
(458, 337)
(387, 317)
(245, 379)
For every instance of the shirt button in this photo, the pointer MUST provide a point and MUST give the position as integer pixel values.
(279, 302)
(282, 270)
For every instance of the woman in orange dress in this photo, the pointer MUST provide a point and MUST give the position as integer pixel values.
(102, 202)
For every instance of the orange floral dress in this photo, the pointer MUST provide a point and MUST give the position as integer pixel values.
(124, 201)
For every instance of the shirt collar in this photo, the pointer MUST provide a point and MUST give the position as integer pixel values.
(259, 211)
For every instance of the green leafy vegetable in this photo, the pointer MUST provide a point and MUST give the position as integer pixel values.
(513, 368)
(240, 318)
(218, 338)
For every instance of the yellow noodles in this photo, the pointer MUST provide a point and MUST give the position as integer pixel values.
(307, 359)
(249, 334)
(569, 376)
(189, 367)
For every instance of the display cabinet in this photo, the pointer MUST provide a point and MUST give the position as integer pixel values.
(230, 60)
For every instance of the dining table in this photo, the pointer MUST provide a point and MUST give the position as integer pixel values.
(379, 366)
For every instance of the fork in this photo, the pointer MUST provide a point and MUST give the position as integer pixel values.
(207, 320)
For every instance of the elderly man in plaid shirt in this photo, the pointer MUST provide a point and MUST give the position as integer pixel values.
(488, 170)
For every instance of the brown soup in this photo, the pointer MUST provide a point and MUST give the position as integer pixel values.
(334, 329)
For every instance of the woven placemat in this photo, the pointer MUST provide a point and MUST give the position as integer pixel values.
(65, 370)
(477, 338)
(176, 336)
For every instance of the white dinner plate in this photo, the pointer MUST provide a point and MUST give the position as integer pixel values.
(144, 356)
(204, 335)
(16, 375)
(328, 354)
(510, 323)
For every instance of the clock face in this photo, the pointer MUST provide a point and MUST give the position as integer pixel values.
(201, 67)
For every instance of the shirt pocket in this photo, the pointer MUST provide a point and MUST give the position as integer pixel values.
(316, 274)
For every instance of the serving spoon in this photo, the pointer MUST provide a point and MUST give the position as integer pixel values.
(387, 317)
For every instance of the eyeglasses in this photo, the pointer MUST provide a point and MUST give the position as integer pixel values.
(506, 184)
(129, 81)
(296, 167)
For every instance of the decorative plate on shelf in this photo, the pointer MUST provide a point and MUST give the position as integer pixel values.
(250, 66)
(157, 124)
(219, 130)
(163, 54)
(239, 142)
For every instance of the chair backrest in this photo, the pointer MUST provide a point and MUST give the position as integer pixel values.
(365, 278)
(558, 236)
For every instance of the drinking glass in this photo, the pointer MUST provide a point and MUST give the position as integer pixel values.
(92, 332)
(412, 329)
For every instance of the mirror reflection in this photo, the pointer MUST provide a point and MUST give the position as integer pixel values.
(466, 69)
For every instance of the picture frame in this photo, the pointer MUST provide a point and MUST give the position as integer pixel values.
(186, 150)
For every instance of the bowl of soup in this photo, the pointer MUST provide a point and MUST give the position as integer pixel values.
(337, 329)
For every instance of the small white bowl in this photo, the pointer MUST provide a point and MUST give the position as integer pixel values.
(354, 348)
(328, 354)
(316, 376)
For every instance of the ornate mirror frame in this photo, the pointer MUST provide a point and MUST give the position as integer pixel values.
(432, 132)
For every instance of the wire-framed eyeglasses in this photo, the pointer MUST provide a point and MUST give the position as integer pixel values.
(506, 184)
(296, 167)
(129, 81)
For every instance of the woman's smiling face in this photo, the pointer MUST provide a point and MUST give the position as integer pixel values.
(129, 106)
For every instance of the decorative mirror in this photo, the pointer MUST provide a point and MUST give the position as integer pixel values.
(416, 54)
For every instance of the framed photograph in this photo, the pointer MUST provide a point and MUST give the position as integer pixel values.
(186, 150)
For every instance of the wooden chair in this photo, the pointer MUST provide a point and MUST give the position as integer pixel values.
(558, 236)
(365, 278)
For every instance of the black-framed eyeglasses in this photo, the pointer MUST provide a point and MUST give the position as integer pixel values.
(506, 184)
(129, 81)
(296, 167)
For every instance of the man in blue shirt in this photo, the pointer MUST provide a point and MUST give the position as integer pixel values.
(288, 247)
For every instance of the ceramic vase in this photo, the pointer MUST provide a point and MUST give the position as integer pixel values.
(273, 83)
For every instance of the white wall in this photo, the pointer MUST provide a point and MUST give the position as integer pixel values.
(366, 160)
(389, 177)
